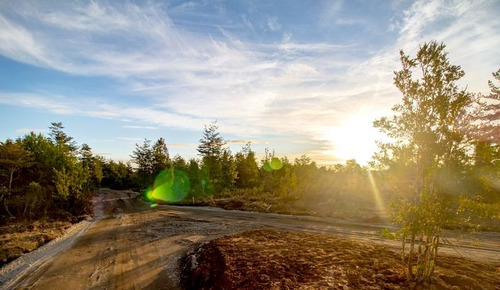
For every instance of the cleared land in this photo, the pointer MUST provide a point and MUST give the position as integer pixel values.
(271, 259)
(130, 245)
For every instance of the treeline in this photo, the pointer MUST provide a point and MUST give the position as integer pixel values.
(51, 176)
(220, 173)
(47, 176)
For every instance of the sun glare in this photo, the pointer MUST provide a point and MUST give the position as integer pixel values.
(354, 139)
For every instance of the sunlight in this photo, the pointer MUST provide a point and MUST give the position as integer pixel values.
(376, 193)
(354, 139)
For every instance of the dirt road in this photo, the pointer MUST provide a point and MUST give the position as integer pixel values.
(132, 246)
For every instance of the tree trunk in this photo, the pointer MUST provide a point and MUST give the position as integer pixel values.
(5, 198)
(10, 180)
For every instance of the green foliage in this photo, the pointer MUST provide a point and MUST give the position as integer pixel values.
(143, 158)
(429, 152)
(247, 169)
(218, 170)
(49, 176)
(118, 175)
(488, 130)
(60, 139)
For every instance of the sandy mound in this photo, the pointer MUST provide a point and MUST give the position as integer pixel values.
(270, 259)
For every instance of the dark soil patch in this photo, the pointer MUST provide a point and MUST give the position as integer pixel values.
(271, 259)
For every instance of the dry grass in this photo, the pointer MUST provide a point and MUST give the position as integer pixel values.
(23, 237)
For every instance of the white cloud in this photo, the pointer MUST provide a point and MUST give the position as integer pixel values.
(272, 23)
(130, 139)
(188, 79)
(139, 127)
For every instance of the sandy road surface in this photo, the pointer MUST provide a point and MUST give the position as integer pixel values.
(132, 246)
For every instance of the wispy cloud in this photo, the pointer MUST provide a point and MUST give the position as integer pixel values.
(176, 145)
(241, 142)
(135, 139)
(139, 127)
(185, 79)
(272, 23)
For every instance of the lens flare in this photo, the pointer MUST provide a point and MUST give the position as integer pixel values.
(170, 185)
(274, 164)
(149, 194)
(267, 167)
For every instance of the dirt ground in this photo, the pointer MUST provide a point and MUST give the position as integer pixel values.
(130, 245)
(271, 259)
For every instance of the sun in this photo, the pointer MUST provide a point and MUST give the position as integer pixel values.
(354, 139)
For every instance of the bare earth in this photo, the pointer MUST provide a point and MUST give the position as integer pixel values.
(276, 259)
(130, 245)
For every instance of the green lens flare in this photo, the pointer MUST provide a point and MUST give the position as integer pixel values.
(170, 185)
(149, 194)
(276, 163)
(267, 167)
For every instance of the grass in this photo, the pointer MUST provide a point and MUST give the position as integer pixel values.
(23, 237)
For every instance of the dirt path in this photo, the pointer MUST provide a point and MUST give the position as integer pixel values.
(133, 246)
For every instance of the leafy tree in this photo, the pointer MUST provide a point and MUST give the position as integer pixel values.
(33, 200)
(228, 168)
(117, 175)
(428, 152)
(13, 157)
(194, 175)
(92, 167)
(246, 168)
(306, 171)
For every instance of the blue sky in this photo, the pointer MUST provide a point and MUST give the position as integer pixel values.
(299, 77)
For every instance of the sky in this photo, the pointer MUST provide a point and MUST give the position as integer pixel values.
(297, 77)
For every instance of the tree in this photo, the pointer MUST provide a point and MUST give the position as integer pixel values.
(246, 168)
(489, 130)
(486, 170)
(13, 157)
(117, 175)
(211, 150)
(160, 157)
(143, 158)
(228, 168)
(428, 153)
(92, 168)
(211, 144)
(60, 138)
(179, 163)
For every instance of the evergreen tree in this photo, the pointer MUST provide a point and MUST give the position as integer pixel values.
(143, 157)
(60, 138)
(160, 157)
(211, 149)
